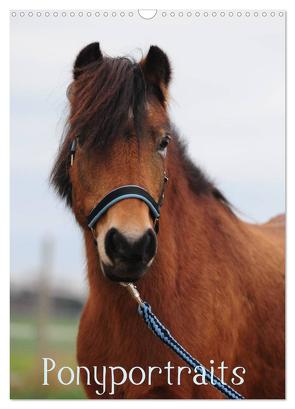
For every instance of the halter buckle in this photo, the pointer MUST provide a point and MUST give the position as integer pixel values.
(157, 225)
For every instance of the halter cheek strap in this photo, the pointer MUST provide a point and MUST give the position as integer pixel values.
(121, 193)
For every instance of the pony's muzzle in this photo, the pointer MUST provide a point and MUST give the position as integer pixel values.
(130, 256)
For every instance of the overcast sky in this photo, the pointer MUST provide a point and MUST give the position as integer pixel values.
(228, 102)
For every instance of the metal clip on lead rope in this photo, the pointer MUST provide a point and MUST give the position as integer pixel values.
(133, 291)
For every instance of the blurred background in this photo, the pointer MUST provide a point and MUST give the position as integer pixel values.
(228, 102)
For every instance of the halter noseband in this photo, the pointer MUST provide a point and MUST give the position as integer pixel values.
(121, 193)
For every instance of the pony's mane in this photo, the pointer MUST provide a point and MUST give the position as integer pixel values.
(198, 181)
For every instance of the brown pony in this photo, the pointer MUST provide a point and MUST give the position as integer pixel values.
(215, 281)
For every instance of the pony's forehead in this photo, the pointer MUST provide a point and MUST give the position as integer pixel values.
(155, 117)
(157, 114)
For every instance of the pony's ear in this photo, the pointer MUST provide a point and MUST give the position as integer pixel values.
(156, 67)
(89, 54)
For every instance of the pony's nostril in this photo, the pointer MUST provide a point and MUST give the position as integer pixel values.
(149, 245)
(113, 243)
(119, 247)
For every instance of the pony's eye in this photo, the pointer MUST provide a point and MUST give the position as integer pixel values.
(162, 148)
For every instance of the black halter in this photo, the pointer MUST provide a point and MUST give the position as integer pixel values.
(121, 193)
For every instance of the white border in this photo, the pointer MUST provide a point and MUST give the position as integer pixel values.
(4, 168)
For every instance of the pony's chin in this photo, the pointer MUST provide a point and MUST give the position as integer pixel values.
(125, 274)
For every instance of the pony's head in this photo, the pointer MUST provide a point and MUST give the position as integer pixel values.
(120, 128)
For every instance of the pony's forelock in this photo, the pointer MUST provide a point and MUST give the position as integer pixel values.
(103, 100)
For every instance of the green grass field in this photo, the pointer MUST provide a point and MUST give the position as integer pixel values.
(26, 367)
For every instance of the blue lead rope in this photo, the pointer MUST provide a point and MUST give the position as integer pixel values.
(161, 332)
